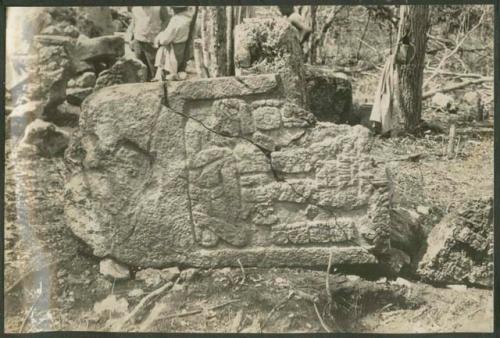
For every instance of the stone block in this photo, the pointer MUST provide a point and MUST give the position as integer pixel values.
(48, 138)
(21, 116)
(330, 94)
(271, 45)
(124, 70)
(460, 247)
(65, 115)
(103, 48)
(75, 96)
(199, 189)
(113, 270)
(86, 79)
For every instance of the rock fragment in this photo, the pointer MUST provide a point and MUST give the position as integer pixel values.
(103, 48)
(460, 247)
(21, 116)
(49, 139)
(113, 270)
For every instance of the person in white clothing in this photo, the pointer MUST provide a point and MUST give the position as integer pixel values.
(147, 22)
(171, 45)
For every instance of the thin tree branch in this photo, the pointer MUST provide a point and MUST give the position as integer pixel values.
(457, 47)
(325, 327)
(120, 324)
(457, 86)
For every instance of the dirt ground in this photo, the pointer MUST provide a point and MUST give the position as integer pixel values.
(275, 300)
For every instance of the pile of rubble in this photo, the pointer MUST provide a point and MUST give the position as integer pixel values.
(67, 53)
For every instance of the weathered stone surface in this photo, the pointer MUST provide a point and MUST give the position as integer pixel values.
(47, 137)
(21, 116)
(186, 177)
(50, 69)
(101, 48)
(65, 115)
(329, 93)
(75, 96)
(86, 79)
(95, 20)
(123, 71)
(219, 88)
(83, 66)
(460, 247)
(271, 45)
(61, 28)
(114, 270)
(407, 232)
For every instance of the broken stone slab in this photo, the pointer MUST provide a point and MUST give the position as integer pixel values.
(330, 94)
(124, 70)
(198, 184)
(49, 140)
(221, 88)
(271, 45)
(113, 270)
(21, 117)
(103, 48)
(460, 247)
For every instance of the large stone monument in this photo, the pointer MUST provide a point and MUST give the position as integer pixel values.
(211, 171)
(206, 172)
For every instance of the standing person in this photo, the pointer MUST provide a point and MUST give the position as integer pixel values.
(147, 22)
(297, 21)
(172, 45)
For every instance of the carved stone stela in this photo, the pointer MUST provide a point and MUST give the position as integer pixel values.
(209, 171)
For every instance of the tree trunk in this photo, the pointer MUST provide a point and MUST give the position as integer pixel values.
(214, 36)
(230, 18)
(413, 26)
(243, 12)
(314, 24)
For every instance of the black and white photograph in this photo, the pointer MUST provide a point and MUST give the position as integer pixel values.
(249, 169)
